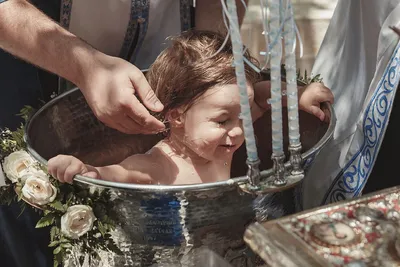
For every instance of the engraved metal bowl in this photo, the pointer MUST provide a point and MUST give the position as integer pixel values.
(163, 225)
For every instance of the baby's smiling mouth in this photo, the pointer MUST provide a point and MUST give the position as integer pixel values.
(228, 145)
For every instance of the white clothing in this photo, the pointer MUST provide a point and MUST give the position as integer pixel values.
(108, 25)
(359, 61)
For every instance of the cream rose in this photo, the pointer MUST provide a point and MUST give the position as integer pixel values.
(17, 164)
(38, 189)
(77, 221)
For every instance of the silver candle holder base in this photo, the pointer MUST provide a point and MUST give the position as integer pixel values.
(282, 176)
(279, 170)
(253, 174)
(296, 162)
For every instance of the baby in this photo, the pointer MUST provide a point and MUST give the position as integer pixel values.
(198, 89)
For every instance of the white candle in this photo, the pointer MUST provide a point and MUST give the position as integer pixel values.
(291, 77)
(237, 47)
(276, 90)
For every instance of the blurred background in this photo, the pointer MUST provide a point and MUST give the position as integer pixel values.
(312, 18)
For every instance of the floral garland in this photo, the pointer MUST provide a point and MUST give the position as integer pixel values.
(78, 217)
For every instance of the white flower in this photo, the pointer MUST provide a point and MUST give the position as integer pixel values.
(77, 221)
(38, 189)
(17, 164)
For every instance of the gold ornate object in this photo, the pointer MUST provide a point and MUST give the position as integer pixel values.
(361, 232)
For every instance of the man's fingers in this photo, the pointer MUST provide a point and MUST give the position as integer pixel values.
(145, 92)
(133, 128)
(128, 126)
(137, 112)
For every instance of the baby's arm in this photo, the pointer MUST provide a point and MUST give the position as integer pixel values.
(64, 168)
(311, 97)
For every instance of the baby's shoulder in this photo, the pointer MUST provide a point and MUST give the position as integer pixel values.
(142, 162)
(151, 166)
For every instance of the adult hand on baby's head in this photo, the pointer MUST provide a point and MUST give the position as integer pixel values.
(109, 87)
(311, 97)
(64, 168)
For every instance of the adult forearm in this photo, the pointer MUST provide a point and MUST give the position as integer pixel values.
(30, 35)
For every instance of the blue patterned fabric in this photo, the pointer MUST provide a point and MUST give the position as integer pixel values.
(1, 1)
(352, 179)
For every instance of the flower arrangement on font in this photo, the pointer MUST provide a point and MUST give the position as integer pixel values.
(78, 217)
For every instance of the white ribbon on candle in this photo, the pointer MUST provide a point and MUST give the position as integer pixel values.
(291, 76)
(237, 47)
(276, 90)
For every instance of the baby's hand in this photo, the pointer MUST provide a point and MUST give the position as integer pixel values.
(311, 97)
(64, 168)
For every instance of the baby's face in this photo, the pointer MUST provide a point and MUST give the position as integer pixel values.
(212, 128)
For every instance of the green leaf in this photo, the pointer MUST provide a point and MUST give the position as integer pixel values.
(57, 205)
(66, 245)
(26, 112)
(54, 243)
(46, 220)
(54, 232)
(101, 228)
(58, 259)
(57, 250)
(113, 247)
(23, 207)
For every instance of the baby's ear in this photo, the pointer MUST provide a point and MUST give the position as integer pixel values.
(175, 117)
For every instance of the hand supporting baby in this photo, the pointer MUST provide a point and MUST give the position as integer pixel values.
(310, 98)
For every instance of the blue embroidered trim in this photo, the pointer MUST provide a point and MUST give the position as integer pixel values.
(65, 13)
(185, 15)
(130, 31)
(143, 20)
(352, 179)
(65, 18)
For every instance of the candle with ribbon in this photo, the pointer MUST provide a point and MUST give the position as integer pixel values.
(275, 48)
(291, 77)
(291, 88)
(276, 89)
(237, 47)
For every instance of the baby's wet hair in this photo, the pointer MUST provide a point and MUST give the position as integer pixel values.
(190, 66)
